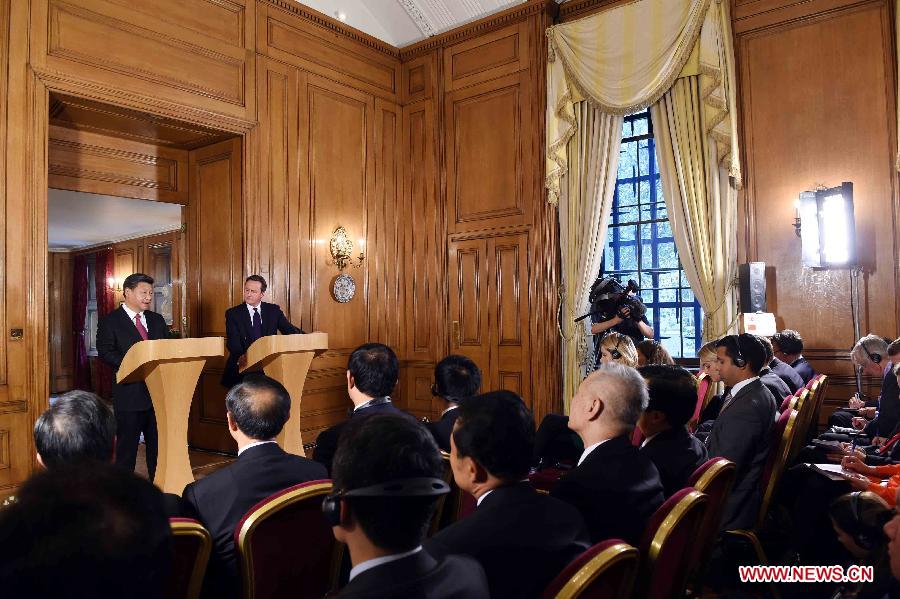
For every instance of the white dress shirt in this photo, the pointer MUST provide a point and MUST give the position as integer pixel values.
(378, 561)
(588, 450)
(250, 310)
(131, 314)
(254, 444)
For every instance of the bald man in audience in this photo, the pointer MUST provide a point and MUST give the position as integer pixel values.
(257, 409)
(521, 538)
(78, 427)
(615, 487)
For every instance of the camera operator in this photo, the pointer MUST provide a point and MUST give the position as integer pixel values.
(619, 309)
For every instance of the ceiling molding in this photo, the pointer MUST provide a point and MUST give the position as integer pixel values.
(418, 17)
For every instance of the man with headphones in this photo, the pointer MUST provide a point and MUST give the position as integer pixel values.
(387, 480)
(742, 431)
(455, 378)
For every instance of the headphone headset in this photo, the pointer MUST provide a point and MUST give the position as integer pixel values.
(860, 537)
(738, 360)
(614, 352)
(407, 487)
(875, 358)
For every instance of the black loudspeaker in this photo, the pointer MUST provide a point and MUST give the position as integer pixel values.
(752, 277)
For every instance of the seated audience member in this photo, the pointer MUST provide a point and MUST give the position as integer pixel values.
(892, 531)
(858, 520)
(870, 354)
(863, 477)
(784, 371)
(521, 538)
(651, 351)
(455, 378)
(767, 376)
(387, 479)
(78, 427)
(674, 451)
(257, 409)
(88, 530)
(372, 373)
(710, 366)
(618, 348)
(615, 487)
(788, 347)
(742, 431)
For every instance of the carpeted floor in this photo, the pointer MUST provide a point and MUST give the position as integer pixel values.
(202, 462)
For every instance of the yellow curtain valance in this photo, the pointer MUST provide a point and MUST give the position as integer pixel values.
(624, 59)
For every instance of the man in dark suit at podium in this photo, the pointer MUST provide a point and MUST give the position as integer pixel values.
(116, 333)
(249, 321)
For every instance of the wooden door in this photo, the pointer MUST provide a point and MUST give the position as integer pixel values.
(215, 276)
(489, 309)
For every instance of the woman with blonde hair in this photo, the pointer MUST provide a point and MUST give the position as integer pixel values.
(618, 348)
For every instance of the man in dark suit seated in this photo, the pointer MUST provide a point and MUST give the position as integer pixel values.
(521, 538)
(615, 488)
(742, 432)
(257, 409)
(767, 376)
(79, 427)
(787, 374)
(387, 479)
(868, 355)
(372, 373)
(455, 378)
(674, 451)
(86, 530)
(788, 347)
(247, 322)
(131, 323)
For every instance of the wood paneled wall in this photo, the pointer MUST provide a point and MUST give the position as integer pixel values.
(59, 291)
(817, 88)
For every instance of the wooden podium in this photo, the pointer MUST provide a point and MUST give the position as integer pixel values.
(171, 369)
(286, 358)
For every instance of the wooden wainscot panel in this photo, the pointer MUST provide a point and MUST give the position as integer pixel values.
(88, 162)
(222, 19)
(123, 50)
(418, 78)
(59, 289)
(415, 381)
(288, 36)
(486, 57)
(488, 132)
(337, 176)
(824, 116)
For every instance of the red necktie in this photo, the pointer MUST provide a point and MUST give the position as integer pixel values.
(140, 327)
(887, 446)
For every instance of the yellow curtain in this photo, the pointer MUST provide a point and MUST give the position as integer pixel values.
(623, 59)
(583, 219)
(702, 205)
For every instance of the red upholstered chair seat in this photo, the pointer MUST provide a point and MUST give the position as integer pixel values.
(192, 545)
(546, 479)
(666, 547)
(285, 545)
(605, 571)
(714, 478)
(776, 435)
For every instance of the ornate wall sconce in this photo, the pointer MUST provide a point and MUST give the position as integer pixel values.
(343, 288)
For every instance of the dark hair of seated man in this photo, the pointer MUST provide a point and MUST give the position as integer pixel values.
(456, 377)
(378, 449)
(374, 368)
(673, 394)
(85, 530)
(79, 426)
(744, 347)
(259, 406)
(496, 430)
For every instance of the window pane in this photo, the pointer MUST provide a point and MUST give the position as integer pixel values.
(626, 128)
(627, 161)
(640, 126)
(644, 159)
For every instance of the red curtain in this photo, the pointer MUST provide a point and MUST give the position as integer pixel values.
(82, 374)
(106, 299)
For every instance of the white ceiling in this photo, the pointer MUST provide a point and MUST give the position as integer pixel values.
(404, 22)
(76, 220)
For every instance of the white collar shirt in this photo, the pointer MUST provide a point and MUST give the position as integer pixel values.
(131, 314)
(380, 561)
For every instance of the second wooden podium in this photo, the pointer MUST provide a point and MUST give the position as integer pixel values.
(286, 358)
(171, 369)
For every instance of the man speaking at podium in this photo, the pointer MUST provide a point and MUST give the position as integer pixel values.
(116, 333)
(249, 321)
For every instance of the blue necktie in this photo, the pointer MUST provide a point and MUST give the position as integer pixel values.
(257, 324)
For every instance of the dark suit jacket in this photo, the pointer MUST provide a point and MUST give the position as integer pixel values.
(615, 488)
(676, 453)
(116, 334)
(787, 374)
(327, 441)
(441, 429)
(742, 433)
(521, 538)
(420, 576)
(238, 334)
(888, 406)
(221, 499)
(804, 369)
(777, 387)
